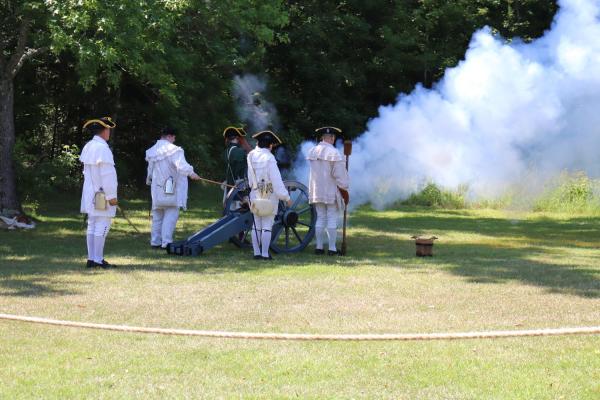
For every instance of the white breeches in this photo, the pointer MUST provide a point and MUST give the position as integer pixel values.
(98, 226)
(263, 223)
(164, 221)
(261, 235)
(327, 215)
(327, 219)
(97, 230)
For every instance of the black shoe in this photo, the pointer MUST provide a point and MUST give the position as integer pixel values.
(157, 247)
(267, 258)
(319, 252)
(90, 264)
(106, 265)
(258, 257)
(333, 253)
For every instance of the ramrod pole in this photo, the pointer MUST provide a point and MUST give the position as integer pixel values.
(347, 153)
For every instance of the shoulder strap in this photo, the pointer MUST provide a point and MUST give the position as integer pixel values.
(229, 170)
(163, 176)
(253, 173)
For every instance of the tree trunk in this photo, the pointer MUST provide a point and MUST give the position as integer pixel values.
(8, 187)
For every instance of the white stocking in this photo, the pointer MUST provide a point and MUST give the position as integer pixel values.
(256, 235)
(171, 214)
(90, 246)
(157, 221)
(319, 231)
(99, 248)
(332, 234)
(255, 245)
(265, 242)
(320, 224)
(101, 228)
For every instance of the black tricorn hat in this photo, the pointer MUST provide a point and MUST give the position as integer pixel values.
(328, 130)
(100, 123)
(233, 131)
(268, 135)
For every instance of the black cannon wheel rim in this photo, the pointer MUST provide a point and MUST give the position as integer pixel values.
(294, 226)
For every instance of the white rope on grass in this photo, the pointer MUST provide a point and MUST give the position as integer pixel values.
(594, 330)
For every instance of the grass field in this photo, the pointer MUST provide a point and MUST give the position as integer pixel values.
(492, 270)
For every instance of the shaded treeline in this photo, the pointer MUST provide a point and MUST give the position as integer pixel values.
(172, 62)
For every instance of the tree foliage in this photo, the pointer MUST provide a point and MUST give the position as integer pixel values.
(155, 62)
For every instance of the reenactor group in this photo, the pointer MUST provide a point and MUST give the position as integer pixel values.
(168, 174)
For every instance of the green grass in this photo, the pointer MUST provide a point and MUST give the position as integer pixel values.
(492, 270)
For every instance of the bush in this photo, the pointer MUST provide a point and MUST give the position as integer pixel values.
(570, 193)
(39, 177)
(433, 196)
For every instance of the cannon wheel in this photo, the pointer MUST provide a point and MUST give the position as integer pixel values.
(294, 226)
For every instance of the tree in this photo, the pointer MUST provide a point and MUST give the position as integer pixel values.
(107, 38)
(345, 59)
(14, 52)
(158, 61)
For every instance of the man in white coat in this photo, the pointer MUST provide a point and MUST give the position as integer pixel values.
(265, 183)
(168, 173)
(99, 194)
(327, 187)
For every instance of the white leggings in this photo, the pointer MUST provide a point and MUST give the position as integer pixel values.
(98, 226)
(261, 235)
(327, 215)
(164, 221)
(97, 230)
(264, 223)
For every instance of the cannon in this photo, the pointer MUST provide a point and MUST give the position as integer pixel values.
(293, 228)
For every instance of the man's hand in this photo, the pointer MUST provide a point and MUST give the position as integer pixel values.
(194, 177)
(113, 202)
(290, 202)
(345, 195)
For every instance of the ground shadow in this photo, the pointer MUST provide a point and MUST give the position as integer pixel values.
(36, 286)
(28, 259)
(491, 265)
(577, 231)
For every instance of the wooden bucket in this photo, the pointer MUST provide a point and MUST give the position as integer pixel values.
(424, 246)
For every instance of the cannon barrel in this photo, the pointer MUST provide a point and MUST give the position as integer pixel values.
(293, 228)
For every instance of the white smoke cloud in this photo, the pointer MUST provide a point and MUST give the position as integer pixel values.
(251, 106)
(508, 109)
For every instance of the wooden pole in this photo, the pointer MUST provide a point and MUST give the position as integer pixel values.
(347, 153)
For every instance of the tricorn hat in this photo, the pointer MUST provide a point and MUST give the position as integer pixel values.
(100, 123)
(328, 130)
(267, 135)
(233, 131)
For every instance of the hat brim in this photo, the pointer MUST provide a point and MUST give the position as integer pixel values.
(256, 136)
(337, 131)
(106, 122)
(235, 129)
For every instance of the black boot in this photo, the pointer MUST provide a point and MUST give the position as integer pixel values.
(106, 265)
(319, 252)
(90, 264)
